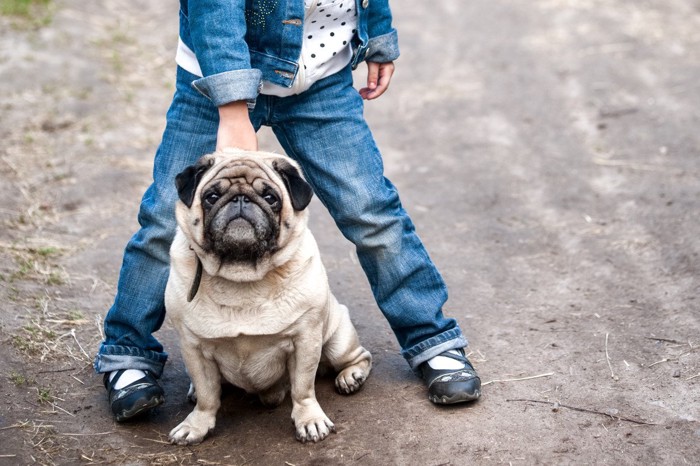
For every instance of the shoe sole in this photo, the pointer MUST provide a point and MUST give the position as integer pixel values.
(140, 407)
(457, 398)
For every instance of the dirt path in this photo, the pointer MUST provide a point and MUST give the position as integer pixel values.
(548, 152)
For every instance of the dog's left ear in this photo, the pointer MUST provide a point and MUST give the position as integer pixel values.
(187, 180)
(299, 190)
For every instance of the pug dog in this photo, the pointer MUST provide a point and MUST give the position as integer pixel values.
(249, 296)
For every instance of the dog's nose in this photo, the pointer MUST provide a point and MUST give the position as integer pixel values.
(240, 199)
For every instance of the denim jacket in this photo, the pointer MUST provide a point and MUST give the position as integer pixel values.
(240, 43)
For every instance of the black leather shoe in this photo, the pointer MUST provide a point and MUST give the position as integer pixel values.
(449, 386)
(136, 398)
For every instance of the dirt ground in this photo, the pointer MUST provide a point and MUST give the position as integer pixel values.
(548, 152)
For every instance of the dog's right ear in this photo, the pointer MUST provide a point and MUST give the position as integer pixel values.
(187, 180)
(299, 190)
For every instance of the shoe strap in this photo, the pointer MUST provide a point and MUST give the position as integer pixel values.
(113, 381)
(461, 357)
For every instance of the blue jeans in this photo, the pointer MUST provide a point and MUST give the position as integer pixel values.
(324, 130)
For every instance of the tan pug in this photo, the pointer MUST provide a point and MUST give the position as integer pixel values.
(249, 296)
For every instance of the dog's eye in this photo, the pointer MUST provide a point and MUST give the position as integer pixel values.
(211, 198)
(270, 198)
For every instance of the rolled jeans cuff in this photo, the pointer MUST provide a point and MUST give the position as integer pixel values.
(383, 49)
(230, 86)
(425, 350)
(114, 357)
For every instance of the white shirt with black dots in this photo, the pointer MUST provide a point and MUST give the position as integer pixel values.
(329, 26)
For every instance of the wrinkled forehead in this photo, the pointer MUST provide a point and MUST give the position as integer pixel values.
(239, 171)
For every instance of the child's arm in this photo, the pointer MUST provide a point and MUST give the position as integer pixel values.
(235, 128)
(217, 29)
(383, 49)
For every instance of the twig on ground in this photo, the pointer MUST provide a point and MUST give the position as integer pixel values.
(56, 370)
(72, 332)
(68, 413)
(675, 358)
(607, 357)
(86, 435)
(31, 425)
(548, 374)
(667, 340)
(78, 379)
(693, 377)
(585, 410)
(156, 441)
(361, 456)
(14, 426)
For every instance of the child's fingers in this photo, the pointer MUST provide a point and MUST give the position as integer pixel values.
(378, 79)
(372, 75)
(386, 71)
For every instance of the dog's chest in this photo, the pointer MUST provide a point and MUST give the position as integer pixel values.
(252, 363)
(240, 311)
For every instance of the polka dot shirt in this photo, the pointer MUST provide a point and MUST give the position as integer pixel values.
(329, 26)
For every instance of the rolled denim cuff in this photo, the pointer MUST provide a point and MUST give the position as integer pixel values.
(116, 357)
(418, 354)
(230, 86)
(384, 48)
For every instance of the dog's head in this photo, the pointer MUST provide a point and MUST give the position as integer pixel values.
(242, 212)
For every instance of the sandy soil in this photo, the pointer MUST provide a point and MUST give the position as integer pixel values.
(549, 154)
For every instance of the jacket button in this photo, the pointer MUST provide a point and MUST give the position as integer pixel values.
(365, 3)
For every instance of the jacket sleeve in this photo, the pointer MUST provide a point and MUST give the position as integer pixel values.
(217, 30)
(383, 43)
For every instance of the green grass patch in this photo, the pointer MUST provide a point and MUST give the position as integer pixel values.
(20, 7)
(46, 252)
(55, 278)
(75, 315)
(17, 378)
(44, 395)
(33, 339)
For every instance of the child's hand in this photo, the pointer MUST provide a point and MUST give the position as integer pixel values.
(235, 128)
(378, 78)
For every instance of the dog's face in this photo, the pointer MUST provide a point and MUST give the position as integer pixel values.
(241, 211)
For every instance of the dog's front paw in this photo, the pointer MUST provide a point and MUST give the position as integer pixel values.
(351, 379)
(312, 425)
(192, 430)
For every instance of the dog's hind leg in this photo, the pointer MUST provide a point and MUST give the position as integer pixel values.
(274, 396)
(192, 394)
(345, 354)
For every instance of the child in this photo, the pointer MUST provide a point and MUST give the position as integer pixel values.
(285, 64)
